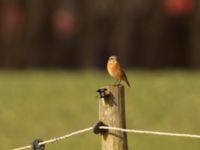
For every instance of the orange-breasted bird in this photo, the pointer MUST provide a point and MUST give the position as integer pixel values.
(116, 71)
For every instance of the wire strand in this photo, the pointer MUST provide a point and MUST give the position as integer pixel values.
(151, 132)
(57, 139)
(112, 128)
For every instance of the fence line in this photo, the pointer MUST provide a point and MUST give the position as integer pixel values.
(57, 139)
(152, 132)
(112, 128)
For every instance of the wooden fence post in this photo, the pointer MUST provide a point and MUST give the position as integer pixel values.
(112, 113)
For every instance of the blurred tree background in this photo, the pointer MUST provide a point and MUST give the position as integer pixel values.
(83, 33)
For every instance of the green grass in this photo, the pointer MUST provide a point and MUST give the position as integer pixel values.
(47, 104)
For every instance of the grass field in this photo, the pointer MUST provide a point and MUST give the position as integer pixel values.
(47, 104)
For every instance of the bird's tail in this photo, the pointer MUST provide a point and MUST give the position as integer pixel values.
(126, 80)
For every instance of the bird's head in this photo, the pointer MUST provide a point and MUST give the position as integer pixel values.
(112, 59)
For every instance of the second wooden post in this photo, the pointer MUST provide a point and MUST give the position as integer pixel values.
(112, 113)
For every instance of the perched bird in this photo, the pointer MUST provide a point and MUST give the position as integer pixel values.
(116, 71)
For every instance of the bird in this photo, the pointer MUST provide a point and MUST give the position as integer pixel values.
(115, 70)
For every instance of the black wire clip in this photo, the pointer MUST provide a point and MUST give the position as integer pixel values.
(98, 130)
(103, 93)
(36, 146)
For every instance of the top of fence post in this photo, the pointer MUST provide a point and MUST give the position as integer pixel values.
(112, 113)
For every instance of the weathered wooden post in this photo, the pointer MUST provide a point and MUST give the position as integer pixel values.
(112, 113)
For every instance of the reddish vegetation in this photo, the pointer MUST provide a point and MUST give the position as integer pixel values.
(179, 7)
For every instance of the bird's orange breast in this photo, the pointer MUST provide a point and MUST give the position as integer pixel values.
(114, 70)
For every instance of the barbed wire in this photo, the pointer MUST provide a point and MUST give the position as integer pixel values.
(111, 128)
